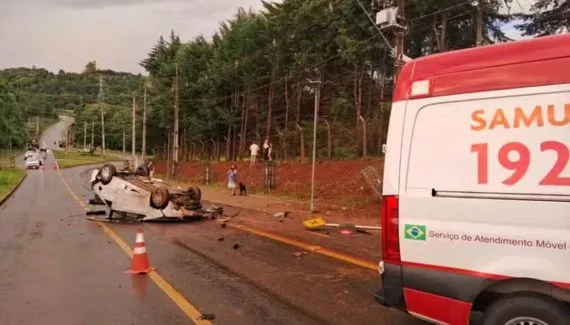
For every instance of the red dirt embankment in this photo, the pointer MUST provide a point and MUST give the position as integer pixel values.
(338, 183)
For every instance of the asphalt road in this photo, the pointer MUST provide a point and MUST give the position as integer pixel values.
(59, 268)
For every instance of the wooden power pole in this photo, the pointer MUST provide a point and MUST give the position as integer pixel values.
(38, 128)
(479, 24)
(92, 133)
(124, 144)
(100, 100)
(84, 135)
(400, 38)
(143, 149)
(176, 122)
(134, 136)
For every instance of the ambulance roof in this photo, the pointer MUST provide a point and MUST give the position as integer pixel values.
(494, 67)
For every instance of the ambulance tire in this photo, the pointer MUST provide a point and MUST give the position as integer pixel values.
(526, 309)
(159, 198)
(106, 173)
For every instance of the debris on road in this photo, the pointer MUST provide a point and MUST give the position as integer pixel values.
(236, 246)
(299, 254)
(281, 215)
(221, 239)
(320, 222)
(96, 212)
(215, 209)
(207, 317)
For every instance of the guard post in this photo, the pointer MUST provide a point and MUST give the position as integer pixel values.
(269, 176)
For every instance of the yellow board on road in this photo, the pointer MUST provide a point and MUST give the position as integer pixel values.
(314, 223)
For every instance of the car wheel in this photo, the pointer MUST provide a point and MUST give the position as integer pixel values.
(106, 173)
(142, 171)
(526, 310)
(195, 193)
(159, 198)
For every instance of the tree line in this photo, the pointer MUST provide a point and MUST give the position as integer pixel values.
(250, 81)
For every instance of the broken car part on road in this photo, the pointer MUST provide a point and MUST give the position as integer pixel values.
(317, 223)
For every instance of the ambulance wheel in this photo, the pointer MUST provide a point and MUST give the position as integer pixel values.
(159, 198)
(195, 193)
(106, 173)
(526, 310)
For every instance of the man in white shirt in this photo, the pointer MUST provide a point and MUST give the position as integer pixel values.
(254, 149)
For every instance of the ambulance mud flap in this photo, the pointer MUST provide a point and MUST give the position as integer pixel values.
(392, 292)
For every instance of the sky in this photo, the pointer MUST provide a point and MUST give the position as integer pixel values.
(66, 34)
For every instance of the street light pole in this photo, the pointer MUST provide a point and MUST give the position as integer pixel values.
(317, 89)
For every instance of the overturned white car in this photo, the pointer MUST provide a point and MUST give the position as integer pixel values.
(137, 194)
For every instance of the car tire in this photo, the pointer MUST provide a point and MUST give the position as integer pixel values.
(142, 171)
(526, 309)
(195, 193)
(106, 173)
(159, 198)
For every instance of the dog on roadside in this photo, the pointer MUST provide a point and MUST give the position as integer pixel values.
(242, 189)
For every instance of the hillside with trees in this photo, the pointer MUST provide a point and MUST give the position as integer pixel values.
(27, 93)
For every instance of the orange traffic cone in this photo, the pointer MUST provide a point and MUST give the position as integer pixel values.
(140, 258)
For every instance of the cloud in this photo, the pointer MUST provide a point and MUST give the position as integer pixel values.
(56, 36)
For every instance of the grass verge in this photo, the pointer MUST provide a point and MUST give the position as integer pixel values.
(9, 179)
(74, 158)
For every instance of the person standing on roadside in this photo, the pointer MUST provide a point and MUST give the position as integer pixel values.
(270, 151)
(266, 150)
(232, 179)
(254, 149)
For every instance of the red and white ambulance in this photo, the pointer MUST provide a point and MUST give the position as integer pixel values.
(476, 207)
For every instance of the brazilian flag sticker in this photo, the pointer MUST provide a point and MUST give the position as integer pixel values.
(415, 232)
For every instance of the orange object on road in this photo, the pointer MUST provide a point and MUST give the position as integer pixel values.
(140, 257)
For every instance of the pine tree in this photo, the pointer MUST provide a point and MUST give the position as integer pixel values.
(547, 17)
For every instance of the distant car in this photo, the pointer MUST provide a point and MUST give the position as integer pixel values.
(146, 198)
(29, 154)
(33, 162)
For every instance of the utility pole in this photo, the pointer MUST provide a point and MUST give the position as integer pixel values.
(134, 136)
(124, 144)
(176, 123)
(92, 133)
(144, 127)
(400, 33)
(100, 99)
(317, 89)
(479, 24)
(84, 135)
(38, 128)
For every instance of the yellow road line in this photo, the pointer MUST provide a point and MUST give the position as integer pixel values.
(306, 246)
(187, 308)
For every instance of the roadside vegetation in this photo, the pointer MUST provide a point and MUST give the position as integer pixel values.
(9, 179)
(73, 158)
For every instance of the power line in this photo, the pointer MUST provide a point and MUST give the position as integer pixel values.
(440, 11)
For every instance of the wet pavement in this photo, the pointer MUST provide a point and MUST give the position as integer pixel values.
(60, 268)
(56, 268)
